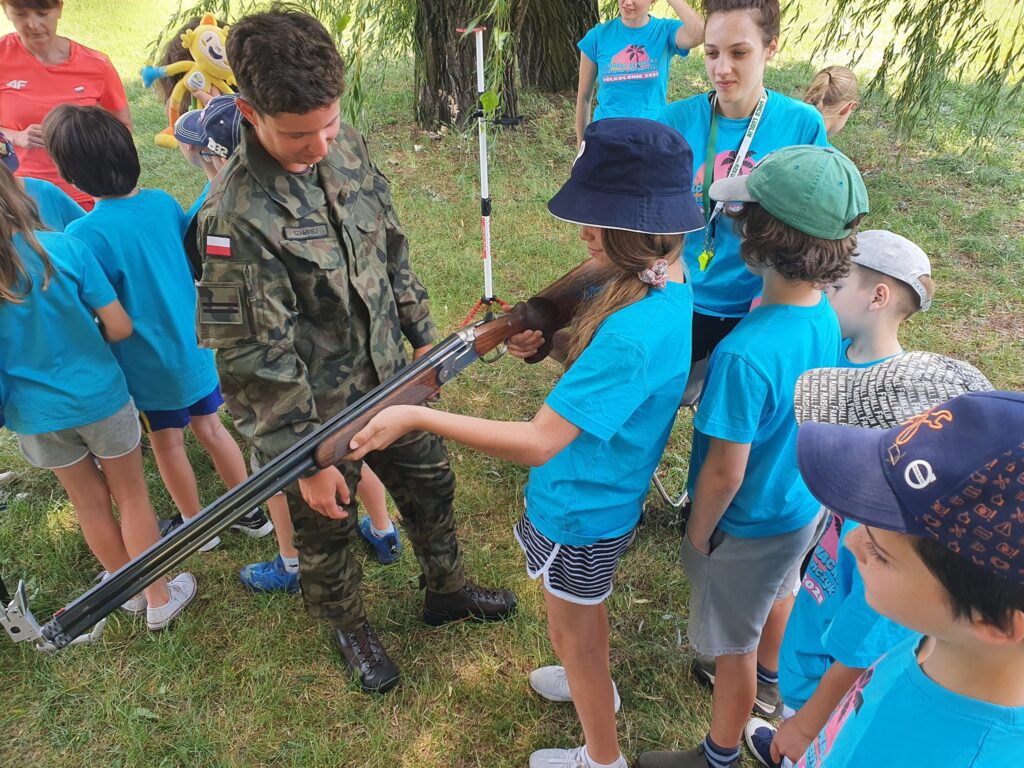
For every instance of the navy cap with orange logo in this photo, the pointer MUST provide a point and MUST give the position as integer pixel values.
(7, 155)
(954, 473)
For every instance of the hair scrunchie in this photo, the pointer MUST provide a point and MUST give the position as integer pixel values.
(656, 275)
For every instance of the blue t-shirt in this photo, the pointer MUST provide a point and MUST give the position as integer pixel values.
(895, 715)
(191, 212)
(748, 398)
(831, 620)
(56, 208)
(845, 362)
(56, 370)
(726, 287)
(632, 66)
(137, 241)
(623, 393)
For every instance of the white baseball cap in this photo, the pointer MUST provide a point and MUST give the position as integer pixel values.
(897, 257)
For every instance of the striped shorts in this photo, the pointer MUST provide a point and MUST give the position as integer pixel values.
(581, 575)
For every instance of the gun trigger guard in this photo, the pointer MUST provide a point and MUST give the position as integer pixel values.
(495, 355)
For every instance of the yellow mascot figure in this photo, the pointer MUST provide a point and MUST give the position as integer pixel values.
(208, 70)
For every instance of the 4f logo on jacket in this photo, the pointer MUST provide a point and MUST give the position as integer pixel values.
(17, 84)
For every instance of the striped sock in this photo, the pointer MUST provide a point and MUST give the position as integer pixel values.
(767, 676)
(719, 757)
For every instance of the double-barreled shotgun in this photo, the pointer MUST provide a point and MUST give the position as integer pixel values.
(548, 311)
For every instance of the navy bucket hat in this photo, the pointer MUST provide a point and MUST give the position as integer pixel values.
(631, 174)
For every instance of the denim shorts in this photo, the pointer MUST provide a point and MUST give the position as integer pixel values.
(109, 438)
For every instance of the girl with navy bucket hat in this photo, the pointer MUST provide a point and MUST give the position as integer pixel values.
(596, 440)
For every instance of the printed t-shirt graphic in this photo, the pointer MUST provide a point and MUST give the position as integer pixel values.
(632, 66)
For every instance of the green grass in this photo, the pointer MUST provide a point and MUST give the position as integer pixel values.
(250, 681)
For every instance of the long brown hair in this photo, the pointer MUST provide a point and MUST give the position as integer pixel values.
(631, 253)
(18, 215)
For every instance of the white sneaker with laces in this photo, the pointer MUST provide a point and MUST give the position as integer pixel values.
(551, 683)
(182, 588)
(133, 605)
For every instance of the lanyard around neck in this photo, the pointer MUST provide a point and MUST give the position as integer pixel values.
(741, 155)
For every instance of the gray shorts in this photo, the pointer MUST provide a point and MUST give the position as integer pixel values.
(109, 438)
(733, 589)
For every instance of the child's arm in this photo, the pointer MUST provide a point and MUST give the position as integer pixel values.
(797, 733)
(719, 479)
(691, 34)
(524, 442)
(114, 322)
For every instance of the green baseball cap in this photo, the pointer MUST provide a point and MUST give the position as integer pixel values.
(817, 190)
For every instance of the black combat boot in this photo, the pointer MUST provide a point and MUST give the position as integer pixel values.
(470, 602)
(365, 655)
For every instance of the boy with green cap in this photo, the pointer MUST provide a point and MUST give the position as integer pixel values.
(753, 519)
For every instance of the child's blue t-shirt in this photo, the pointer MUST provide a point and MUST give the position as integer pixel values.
(138, 242)
(831, 620)
(726, 288)
(748, 398)
(56, 370)
(845, 362)
(632, 66)
(623, 393)
(895, 715)
(57, 209)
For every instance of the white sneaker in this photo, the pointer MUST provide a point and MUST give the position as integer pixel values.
(133, 605)
(182, 588)
(551, 683)
(558, 758)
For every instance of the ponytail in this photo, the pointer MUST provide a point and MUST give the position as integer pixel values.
(631, 253)
(832, 88)
(18, 215)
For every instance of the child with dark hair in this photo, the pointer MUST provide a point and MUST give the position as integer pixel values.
(63, 394)
(136, 236)
(753, 520)
(833, 634)
(597, 439)
(939, 551)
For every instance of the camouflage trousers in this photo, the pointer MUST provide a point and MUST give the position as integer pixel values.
(417, 474)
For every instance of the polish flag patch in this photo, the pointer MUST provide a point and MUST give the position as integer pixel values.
(218, 246)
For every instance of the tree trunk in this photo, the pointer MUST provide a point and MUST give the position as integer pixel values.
(445, 70)
(546, 42)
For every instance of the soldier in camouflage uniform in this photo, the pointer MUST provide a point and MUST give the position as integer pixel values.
(306, 294)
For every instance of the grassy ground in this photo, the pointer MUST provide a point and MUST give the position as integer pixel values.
(250, 681)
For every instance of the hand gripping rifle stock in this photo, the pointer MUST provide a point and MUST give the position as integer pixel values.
(548, 311)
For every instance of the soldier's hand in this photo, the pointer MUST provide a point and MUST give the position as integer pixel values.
(525, 344)
(421, 351)
(382, 430)
(324, 490)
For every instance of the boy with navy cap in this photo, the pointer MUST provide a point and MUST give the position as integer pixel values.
(753, 520)
(941, 551)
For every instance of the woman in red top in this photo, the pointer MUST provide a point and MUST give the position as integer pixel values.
(40, 70)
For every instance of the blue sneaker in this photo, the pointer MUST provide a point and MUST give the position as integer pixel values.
(269, 577)
(758, 735)
(388, 548)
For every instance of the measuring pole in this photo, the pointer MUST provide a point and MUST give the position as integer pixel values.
(485, 191)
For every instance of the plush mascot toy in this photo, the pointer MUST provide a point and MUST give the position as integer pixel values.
(207, 70)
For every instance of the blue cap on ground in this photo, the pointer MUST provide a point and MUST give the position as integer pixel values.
(954, 474)
(217, 127)
(631, 174)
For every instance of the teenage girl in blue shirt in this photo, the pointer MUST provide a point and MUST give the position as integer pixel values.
(65, 396)
(599, 435)
(740, 38)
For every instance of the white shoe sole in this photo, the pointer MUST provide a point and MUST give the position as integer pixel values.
(254, 533)
(559, 694)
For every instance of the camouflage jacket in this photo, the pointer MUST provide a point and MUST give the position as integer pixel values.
(306, 289)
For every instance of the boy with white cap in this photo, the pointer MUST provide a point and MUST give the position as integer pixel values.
(890, 281)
